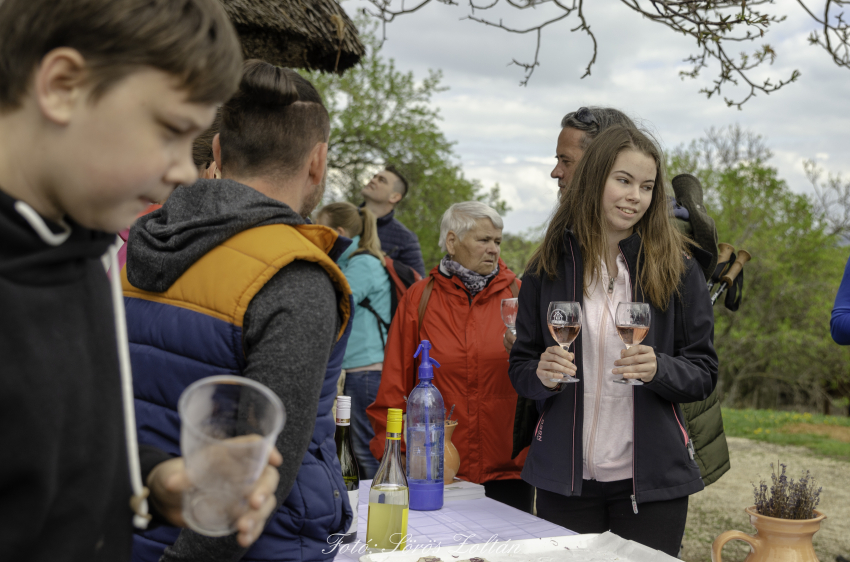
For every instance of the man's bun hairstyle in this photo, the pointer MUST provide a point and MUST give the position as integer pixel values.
(192, 40)
(265, 85)
(272, 122)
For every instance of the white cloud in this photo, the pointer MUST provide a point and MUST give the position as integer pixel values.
(550, 161)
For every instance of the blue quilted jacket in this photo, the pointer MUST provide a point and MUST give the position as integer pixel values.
(188, 332)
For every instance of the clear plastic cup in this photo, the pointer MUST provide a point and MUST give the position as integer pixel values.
(228, 426)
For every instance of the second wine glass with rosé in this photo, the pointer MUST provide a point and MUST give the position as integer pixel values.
(632, 323)
(564, 320)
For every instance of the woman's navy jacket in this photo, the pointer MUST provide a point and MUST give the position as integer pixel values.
(682, 336)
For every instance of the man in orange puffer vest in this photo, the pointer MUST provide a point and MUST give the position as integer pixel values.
(227, 278)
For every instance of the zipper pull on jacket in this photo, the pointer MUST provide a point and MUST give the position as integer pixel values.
(634, 504)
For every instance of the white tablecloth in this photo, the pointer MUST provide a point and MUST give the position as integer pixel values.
(469, 521)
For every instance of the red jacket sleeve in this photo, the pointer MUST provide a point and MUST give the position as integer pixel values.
(397, 377)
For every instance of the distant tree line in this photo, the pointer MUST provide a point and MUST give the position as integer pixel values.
(776, 350)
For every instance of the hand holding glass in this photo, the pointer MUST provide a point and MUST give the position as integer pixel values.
(509, 310)
(632, 326)
(564, 319)
(228, 427)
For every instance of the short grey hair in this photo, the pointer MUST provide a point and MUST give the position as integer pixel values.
(603, 118)
(460, 218)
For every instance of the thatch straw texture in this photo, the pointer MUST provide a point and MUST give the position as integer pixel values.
(296, 33)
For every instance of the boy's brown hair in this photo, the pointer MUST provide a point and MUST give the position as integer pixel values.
(272, 122)
(190, 39)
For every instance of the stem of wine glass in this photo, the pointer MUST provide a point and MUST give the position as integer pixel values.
(566, 347)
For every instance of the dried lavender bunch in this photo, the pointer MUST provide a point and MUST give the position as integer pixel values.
(786, 498)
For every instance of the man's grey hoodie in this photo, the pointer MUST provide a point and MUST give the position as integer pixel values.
(286, 333)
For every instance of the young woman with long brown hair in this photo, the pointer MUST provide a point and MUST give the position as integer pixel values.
(608, 456)
(364, 266)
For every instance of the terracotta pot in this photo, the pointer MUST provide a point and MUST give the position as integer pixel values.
(776, 540)
(451, 460)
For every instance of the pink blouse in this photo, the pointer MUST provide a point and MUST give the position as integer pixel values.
(608, 406)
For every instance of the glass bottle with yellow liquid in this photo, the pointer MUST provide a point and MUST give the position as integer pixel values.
(389, 498)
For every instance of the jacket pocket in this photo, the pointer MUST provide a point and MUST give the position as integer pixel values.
(341, 517)
(689, 444)
(538, 428)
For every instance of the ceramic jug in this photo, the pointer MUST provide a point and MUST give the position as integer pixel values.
(776, 540)
(451, 459)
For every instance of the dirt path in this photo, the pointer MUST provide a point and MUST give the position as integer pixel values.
(720, 507)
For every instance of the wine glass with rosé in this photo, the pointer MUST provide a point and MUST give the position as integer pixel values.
(509, 310)
(632, 323)
(564, 319)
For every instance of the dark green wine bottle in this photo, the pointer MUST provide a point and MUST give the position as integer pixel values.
(345, 453)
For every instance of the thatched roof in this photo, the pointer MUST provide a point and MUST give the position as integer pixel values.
(296, 33)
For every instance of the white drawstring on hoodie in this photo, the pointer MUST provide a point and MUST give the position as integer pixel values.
(138, 502)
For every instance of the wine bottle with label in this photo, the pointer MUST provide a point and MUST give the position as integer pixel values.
(345, 453)
(389, 498)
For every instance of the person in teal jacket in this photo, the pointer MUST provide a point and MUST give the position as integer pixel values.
(364, 266)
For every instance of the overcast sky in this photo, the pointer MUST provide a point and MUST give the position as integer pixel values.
(506, 133)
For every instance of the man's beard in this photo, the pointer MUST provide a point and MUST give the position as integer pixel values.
(312, 200)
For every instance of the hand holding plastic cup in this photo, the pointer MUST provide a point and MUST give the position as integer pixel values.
(228, 426)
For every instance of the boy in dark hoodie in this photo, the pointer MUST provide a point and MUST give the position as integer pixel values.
(99, 103)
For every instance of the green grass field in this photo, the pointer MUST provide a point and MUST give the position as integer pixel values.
(828, 436)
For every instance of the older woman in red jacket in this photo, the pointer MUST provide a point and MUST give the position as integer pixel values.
(459, 306)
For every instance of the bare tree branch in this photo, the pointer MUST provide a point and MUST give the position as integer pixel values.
(712, 25)
(537, 29)
(835, 35)
(715, 25)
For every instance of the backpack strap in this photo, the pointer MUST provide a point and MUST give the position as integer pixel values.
(514, 288)
(423, 304)
(367, 304)
(423, 301)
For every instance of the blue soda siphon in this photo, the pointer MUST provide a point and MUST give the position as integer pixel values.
(426, 431)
